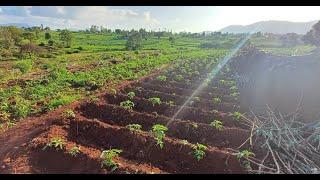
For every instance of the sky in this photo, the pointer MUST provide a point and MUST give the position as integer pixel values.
(175, 18)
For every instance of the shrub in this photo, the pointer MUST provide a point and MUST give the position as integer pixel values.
(24, 66)
(216, 100)
(131, 95)
(162, 78)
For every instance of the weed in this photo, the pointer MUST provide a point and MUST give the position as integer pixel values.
(199, 151)
(134, 127)
(127, 105)
(74, 151)
(107, 157)
(131, 95)
(158, 131)
(217, 124)
(155, 101)
(184, 142)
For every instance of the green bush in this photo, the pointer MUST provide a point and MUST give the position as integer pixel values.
(24, 66)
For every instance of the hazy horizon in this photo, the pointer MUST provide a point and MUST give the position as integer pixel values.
(175, 18)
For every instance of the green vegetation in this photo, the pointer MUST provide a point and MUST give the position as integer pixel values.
(74, 151)
(134, 127)
(158, 131)
(131, 95)
(162, 78)
(199, 151)
(237, 115)
(108, 156)
(216, 100)
(217, 124)
(68, 114)
(127, 105)
(56, 142)
(155, 101)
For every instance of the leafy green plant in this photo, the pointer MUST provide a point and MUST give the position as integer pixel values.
(10, 124)
(199, 151)
(107, 157)
(235, 94)
(155, 101)
(127, 105)
(131, 95)
(237, 115)
(113, 92)
(158, 131)
(178, 77)
(197, 99)
(184, 142)
(134, 127)
(162, 78)
(68, 114)
(216, 100)
(56, 142)
(194, 125)
(233, 88)
(171, 103)
(245, 154)
(217, 124)
(74, 151)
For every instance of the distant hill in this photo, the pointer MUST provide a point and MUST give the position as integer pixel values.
(20, 25)
(277, 27)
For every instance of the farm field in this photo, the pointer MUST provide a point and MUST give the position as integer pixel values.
(148, 102)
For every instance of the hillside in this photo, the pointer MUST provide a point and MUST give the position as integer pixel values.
(277, 27)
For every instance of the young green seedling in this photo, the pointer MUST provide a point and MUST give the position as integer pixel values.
(74, 151)
(158, 131)
(10, 124)
(237, 115)
(56, 142)
(155, 101)
(171, 103)
(217, 124)
(199, 151)
(216, 100)
(162, 78)
(107, 157)
(68, 114)
(245, 154)
(127, 105)
(178, 77)
(131, 95)
(134, 127)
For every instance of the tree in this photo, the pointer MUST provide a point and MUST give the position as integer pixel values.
(313, 36)
(290, 39)
(134, 41)
(66, 37)
(171, 39)
(7, 40)
(47, 36)
(117, 31)
(29, 35)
